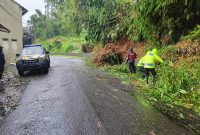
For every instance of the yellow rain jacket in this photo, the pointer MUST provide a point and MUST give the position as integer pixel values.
(141, 62)
(150, 59)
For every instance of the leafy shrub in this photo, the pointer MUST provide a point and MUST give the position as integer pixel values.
(158, 18)
(57, 44)
(155, 21)
(179, 85)
(195, 34)
(50, 47)
(69, 48)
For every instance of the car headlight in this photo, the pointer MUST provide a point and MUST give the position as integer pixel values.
(24, 57)
(42, 56)
(41, 59)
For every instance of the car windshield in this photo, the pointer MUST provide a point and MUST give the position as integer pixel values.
(32, 50)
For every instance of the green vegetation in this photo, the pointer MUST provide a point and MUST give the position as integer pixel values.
(195, 34)
(175, 85)
(158, 21)
(61, 45)
(166, 18)
(179, 85)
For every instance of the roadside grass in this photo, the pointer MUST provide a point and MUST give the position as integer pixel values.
(61, 45)
(176, 84)
(89, 62)
(179, 86)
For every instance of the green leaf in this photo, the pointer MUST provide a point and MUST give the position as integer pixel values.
(183, 91)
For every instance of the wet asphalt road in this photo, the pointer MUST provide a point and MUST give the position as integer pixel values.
(76, 100)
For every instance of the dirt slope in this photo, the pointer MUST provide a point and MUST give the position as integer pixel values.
(121, 47)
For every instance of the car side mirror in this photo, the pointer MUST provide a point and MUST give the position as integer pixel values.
(47, 52)
(17, 55)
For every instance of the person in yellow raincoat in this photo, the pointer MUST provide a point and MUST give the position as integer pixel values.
(141, 66)
(149, 64)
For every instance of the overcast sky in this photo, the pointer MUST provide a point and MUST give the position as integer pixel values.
(31, 5)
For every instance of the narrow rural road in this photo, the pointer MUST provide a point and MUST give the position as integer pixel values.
(76, 100)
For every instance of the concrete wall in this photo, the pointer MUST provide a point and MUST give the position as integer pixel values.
(11, 18)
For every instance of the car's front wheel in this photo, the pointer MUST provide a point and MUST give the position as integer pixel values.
(21, 73)
(46, 69)
(49, 64)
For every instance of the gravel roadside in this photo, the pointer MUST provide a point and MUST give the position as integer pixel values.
(11, 90)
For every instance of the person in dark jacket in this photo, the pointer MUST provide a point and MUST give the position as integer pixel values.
(131, 60)
(2, 61)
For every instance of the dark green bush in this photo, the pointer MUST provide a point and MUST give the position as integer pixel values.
(166, 18)
(57, 44)
(195, 34)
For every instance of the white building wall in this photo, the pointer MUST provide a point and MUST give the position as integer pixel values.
(11, 18)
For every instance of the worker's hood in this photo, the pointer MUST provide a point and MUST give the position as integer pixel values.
(154, 51)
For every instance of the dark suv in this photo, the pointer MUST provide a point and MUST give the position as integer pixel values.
(33, 57)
